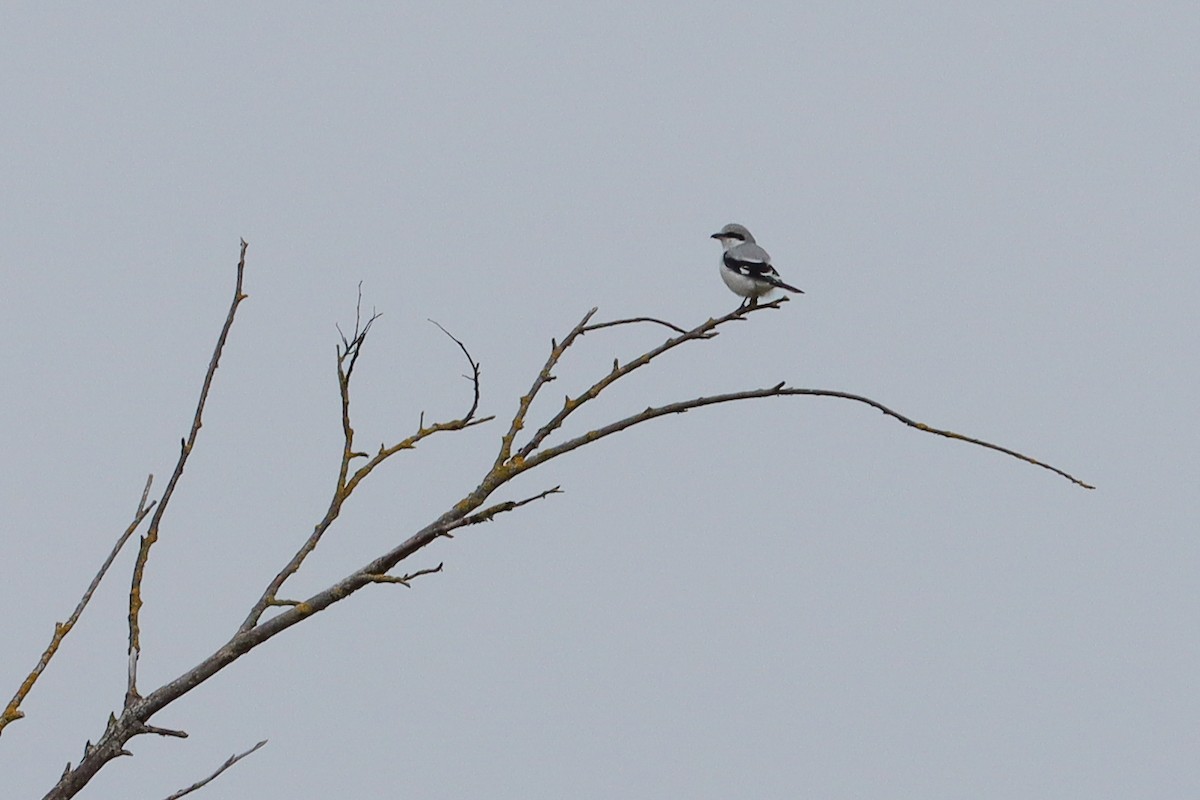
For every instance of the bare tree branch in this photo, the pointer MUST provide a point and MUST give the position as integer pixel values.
(228, 763)
(470, 510)
(185, 450)
(12, 711)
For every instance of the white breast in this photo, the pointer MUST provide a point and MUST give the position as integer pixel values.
(741, 285)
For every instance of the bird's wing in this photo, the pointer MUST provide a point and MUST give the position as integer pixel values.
(750, 260)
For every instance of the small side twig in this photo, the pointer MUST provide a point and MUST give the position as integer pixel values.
(171, 733)
(228, 763)
(486, 515)
(404, 580)
(12, 711)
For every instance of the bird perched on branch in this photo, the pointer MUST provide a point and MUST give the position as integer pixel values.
(746, 267)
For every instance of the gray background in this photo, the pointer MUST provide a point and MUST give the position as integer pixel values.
(993, 211)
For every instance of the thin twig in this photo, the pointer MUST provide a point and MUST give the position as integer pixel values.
(185, 450)
(474, 377)
(228, 763)
(13, 712)
(631, 321)
(488, 513)
(352, 348)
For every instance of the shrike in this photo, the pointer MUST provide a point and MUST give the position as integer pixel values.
(746, 267)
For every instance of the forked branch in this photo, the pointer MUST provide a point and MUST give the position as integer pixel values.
(12, 711)
(703, 331)
(347, 482)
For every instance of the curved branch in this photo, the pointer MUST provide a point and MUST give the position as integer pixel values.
(631, 321)
(779, 390)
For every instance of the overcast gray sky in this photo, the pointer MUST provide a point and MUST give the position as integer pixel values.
(993, 211)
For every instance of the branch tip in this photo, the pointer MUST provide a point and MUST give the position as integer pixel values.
(228, 763)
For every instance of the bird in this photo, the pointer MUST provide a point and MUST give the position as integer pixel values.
(746, 267)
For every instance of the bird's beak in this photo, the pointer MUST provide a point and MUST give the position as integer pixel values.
(717, 236)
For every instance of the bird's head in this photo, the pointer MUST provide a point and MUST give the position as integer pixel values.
(733, 234)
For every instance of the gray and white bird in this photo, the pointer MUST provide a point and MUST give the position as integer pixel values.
(746, 267)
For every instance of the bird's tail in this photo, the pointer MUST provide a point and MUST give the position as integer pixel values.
(778, 284)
